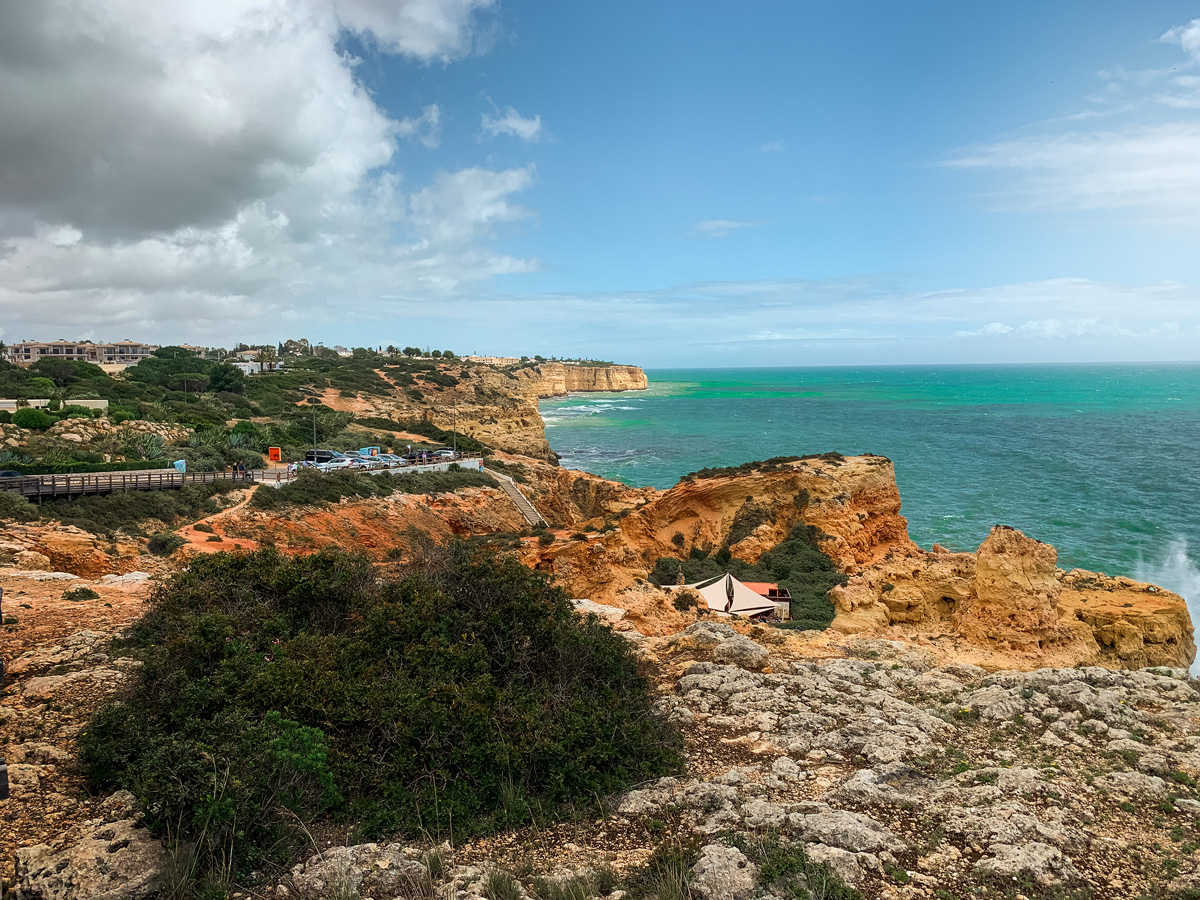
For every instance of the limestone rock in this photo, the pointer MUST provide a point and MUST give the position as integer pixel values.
(116, 860)
(723, 873)
(703, 636)
(31, 559)
(1041, 862)
(342, 871)
(1016, 590)
(741, 651)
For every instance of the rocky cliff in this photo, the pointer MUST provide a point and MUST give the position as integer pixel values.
(496, 406)
(558, 379)
(1008, 600)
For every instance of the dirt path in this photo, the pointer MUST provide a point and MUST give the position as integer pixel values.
(200, 541)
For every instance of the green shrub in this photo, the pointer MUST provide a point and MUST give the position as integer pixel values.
(32, 418)
(79, 594)
(453, 701)
(795, 563)
(787, 871)
(164, 543)
(16, 508)
(112, 513)
(5, 416)
(312, 488)
(71, 468)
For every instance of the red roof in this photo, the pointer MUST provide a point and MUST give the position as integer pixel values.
(761, 587)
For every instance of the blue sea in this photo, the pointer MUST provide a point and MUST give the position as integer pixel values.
(1099, 460)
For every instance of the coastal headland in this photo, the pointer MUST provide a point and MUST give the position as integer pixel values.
(948, 723)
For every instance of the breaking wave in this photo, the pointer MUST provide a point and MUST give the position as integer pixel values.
(1176, 572)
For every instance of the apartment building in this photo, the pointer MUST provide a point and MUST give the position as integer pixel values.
(119, 353)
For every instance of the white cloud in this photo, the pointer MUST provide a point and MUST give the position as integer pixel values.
(426, 128)
(421, 29)
(460, 207)
(1186, 36)
(1152, 169)
(992, 328)
(857, 321)
(512, 123)
(175, 169)
(1145, 161)
(771, 147)
(718, 228)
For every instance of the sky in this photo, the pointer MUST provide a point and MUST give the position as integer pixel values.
(662, 183)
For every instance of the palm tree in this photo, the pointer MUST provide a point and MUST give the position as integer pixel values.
(264, 356)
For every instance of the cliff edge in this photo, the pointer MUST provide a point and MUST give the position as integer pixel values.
(1007, 602)
(559, 379)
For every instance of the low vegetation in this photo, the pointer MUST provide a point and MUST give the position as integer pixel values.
(449, 701)
(314, 488)
(796, 563)
(128, 512)
(774, 464)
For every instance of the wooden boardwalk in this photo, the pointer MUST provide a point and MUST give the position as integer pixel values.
(84, 483)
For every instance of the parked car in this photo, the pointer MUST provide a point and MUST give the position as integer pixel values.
(391, 459)
(338, 462)
(9, 473)
(444, 453)
(321, 456)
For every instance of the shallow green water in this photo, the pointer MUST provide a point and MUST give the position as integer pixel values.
(1098, 460)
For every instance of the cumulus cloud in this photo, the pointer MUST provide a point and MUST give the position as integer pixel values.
(1186, 36)
(189, 163)
(421, 29)
(512, 123)
(718, 228)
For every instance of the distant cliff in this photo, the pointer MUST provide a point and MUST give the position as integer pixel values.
(559, 379)
(495, 405)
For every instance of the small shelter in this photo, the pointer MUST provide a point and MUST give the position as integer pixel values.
(725, 594)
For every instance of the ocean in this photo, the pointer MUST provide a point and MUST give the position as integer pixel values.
(1099, 460)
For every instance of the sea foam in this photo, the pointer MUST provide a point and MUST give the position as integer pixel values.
(1176, 572)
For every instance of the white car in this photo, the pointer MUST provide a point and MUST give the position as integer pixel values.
(444, 454)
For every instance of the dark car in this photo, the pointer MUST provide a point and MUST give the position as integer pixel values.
(9, 473)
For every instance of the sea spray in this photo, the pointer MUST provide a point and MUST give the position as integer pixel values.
(1176, 572)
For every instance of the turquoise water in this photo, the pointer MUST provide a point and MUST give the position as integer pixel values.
(1100, 461)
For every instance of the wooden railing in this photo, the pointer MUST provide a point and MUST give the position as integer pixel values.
(79, 484)
(83, 483)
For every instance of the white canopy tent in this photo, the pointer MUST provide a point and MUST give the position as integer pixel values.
(726, 594)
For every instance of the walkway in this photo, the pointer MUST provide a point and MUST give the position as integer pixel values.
(527, 509)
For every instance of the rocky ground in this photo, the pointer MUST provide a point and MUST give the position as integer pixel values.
(906, 778)
(962, 744)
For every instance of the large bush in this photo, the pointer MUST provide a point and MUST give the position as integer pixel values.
(32, 418)
(452, 701)
(129, 511)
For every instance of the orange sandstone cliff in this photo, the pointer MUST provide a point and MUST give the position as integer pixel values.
(1009, 597)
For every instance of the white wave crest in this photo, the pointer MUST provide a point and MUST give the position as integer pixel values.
(1176, 572)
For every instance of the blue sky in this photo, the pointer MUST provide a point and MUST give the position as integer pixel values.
(666, 184)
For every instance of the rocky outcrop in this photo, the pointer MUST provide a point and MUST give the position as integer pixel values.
(559, 379)
(112, 857)
(1010, 597)
(66, 548)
